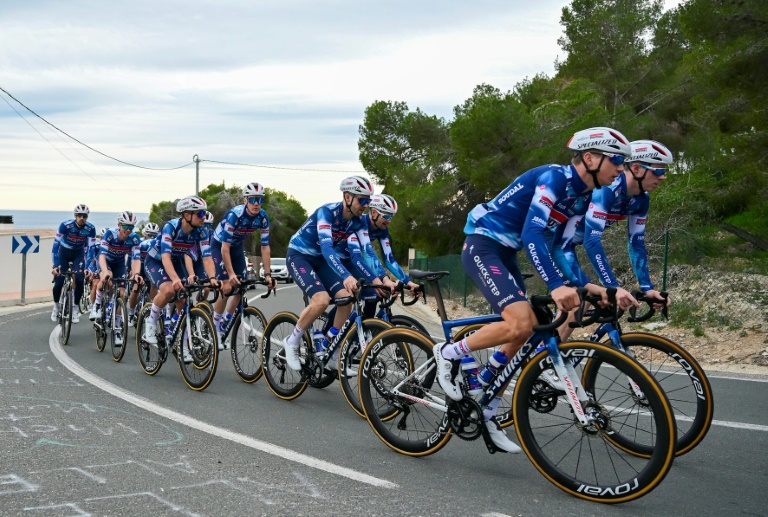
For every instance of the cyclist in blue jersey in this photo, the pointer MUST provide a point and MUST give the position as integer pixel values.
(315, 264)
(228, 248)
(149, 232)
(164, 262)
(71, 243)
(517, 219)
(115, 245)
(92, 264)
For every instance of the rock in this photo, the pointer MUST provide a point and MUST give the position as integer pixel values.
(654, 325)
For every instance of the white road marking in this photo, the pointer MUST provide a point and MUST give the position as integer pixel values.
(259, 445)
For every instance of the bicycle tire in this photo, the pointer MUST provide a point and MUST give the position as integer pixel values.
(150, 356)
(544, 420)
(682, 379)
(246, 347)
(101, 333)
(203, 347)
(66, 313)
(206, 306)
(401, 320)
(283, 381)
(405, 425)
(349, 359)
(328, 376)
(85, 299)
(119, 309)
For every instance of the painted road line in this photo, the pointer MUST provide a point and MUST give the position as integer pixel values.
(180, 418)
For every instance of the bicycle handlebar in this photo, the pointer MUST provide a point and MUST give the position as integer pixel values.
(542, 301)
(640, 297)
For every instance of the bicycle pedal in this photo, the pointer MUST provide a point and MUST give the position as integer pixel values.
(492, 447)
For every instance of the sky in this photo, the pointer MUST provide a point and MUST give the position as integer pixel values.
(279, 84)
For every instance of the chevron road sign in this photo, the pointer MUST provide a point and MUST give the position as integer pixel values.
(25, 244)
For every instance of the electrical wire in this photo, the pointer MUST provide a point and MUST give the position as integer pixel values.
(281, 168)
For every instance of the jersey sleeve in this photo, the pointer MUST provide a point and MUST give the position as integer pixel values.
(204, 244)
(389, 259)
(356, 256)
(325, 238)
(166, 239)
(564, 253)
(56, 244)
(264, 229)
(636, 244)
(549, 188)
(595, 219)
(227, 227)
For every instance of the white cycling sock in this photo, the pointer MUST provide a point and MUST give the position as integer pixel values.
(99, 295)
(295, 336)
(154, 314)
(456, 351)
(492, 408)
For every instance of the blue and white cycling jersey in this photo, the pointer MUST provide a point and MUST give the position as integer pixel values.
(140, 253)
(237, 225)
(72, 237)
(322, 232)
(610, 205)
(92, 259)
(351, 250)
(370, 256)
(173, 241)
(116, 250)
(520, 215)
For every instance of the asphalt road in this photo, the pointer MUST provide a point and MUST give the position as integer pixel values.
(83, 435)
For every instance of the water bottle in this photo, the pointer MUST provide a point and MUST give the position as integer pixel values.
(169, 326)
(109, 312)
(319, 339)
(495, 364)
(471, 370)
(224, 323)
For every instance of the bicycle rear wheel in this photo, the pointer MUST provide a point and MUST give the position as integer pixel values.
(328, 376)
(66, 313)
(680, 376)
(151, 358)
(282, 380)
(100, 328)
(349, 359)
(120, 325)
(585, 460)
(415, 421)
(199, 373)
(245, 339)
(401, 320)
(85, 299)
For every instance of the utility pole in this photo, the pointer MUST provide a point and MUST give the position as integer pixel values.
(197, 174)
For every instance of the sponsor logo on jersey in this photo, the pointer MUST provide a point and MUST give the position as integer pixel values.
(517, 188)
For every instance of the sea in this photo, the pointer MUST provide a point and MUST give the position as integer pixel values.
(40, 219)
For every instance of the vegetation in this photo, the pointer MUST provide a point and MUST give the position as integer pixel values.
(286, 215)
(693, 78)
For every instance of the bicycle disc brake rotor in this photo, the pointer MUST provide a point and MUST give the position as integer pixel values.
(466, 419)
(599, 419)
(543, 398)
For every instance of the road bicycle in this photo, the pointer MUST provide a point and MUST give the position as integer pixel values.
(384, 311)
(244, 333)
(113, 320)
(353, 336)
(566, 430)
(85, 300)
(66, 304)
(143, 298)
(194, 330)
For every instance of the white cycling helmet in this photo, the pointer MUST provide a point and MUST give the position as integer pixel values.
(253, 189)
(650, 152)
(127, 218)
(383, 204)
(82, 209)
(600, 139)
(151, 228)
(103, 231)
(357, 185)
(191, 204)
(208, 218)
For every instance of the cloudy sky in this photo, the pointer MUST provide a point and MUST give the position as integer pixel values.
(283, 84)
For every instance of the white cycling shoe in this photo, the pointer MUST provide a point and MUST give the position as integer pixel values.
(186, 356)
(499, 437)
(76, 315)
(292, 355)
(95, 312)
(55, 314)
(150, 333)
(448, 374)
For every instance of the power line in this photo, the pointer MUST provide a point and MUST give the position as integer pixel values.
(282, 168)
(88, 146)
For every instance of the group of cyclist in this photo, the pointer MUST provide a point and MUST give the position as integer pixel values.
(547, 212)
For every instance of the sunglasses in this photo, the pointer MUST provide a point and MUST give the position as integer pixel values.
(616, 159)
(656, 172)
(128, 227)
(364, 201)
(200, 214)
(386, 217)
(84, 216)
(255, 200)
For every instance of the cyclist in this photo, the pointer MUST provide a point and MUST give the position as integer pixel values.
(315, 264)
(516, 219)
(116, 243)
(628, 197)
(149, 233)
(228, 248)
(164, 264)
(71, 243)
(92, 264)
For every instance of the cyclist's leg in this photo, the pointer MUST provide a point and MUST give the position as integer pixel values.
(221, 273)
(165, 292)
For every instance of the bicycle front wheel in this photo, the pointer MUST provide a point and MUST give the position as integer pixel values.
(101, 330)
(246, 337)
(151, 357)
(349, 359)
(119, 330)
(584, 460)
(403, 403)
(282, 380)
(66, 314)
(680, 376)
(401, 320)
(199, 337)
